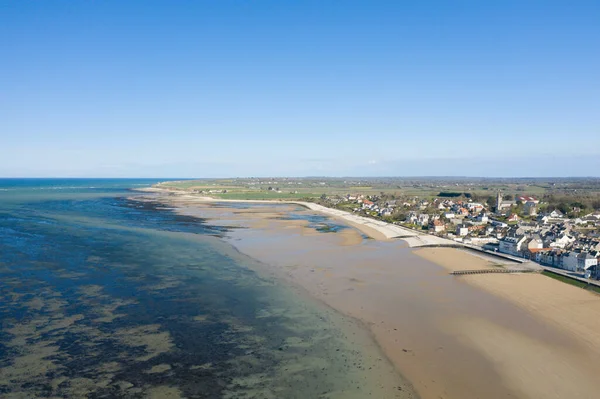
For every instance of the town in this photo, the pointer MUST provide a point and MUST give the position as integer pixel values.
(520, 225)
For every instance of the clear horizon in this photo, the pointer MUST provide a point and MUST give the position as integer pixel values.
(354, 89)
(171, 178)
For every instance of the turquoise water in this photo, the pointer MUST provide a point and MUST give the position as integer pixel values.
(102, 296)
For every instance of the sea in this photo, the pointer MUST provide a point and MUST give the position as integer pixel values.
(105, 296)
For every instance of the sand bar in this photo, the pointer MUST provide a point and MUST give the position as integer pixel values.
(376, 229)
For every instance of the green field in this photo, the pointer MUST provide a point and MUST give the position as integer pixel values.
(308, 189)
(240, 189)
(243, 195)
(572, 281)
(556, 193)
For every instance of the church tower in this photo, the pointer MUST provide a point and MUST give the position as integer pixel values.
(499, 202)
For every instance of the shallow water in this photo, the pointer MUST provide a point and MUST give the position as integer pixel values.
(107, 297)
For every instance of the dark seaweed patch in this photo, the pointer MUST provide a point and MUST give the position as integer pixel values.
(99, 299)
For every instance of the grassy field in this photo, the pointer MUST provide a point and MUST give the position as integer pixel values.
(572, 281)
(251, 190)
(426, 188)
(245, 189)
(262, 195)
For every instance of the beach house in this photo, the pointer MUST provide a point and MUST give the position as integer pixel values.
(512, 244)
(438, 226)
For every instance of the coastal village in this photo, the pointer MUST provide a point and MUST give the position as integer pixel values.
(520, 226)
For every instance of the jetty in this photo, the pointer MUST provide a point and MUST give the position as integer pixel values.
(486, 271)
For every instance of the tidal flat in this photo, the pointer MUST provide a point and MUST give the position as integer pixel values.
(480, 336)
(101, 296)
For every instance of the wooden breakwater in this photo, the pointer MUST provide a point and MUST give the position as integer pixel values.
(485, 271)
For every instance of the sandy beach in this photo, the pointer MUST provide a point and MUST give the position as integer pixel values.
(374, 228)
(481, 336)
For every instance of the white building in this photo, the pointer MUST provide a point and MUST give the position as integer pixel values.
(561, 241)
(423, 219)
(534, 243)
(556, 214)
(482, 218)
(511, 245)
(438, 226)
(530, 208)
(586, 261)
(462, 230)
(474, 207)
(569, 261)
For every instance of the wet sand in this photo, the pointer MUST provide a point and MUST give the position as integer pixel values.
(123, 300)
(487, 336)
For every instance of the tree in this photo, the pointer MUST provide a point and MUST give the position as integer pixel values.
(518, 209)
(401, 217)
(564, 208)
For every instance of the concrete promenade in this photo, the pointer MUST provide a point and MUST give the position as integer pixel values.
(412, 237)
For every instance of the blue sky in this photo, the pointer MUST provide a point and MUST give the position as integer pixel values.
(297, 88)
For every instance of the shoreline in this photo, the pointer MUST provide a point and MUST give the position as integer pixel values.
(360, 330)
(375, 229)
(563, 343)
(403, 385)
